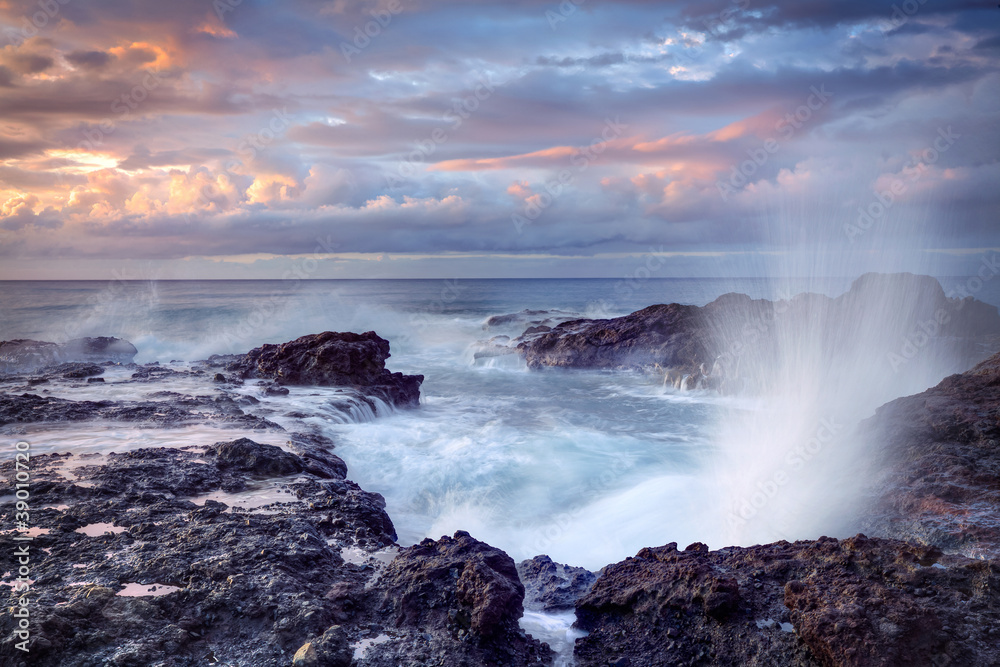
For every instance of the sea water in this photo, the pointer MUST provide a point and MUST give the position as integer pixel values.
(585, 466)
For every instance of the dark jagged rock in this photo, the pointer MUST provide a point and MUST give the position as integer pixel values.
(247, 588)
(478, 583)
(152, 372)
(265, 588)
(940, 464)
(551, 586)
(24, 356)
(462, 589)
(252, 457)
(857, 601)
(660, 336)
(332, 359)
(709, 346)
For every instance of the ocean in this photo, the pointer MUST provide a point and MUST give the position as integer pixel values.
(585, 466)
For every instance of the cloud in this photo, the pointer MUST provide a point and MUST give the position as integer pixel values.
(89, 59)
(167, 130)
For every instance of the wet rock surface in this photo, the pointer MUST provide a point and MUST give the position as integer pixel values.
(33, 408)
(460, 591)
(551, 586)
(667, 336)
(857, 601)
(940, 467)
(156, 556)
(332, 359)
(300, 581)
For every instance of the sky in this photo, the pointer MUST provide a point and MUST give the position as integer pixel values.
(427, 138)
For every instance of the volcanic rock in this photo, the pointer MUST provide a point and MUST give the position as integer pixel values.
(24, 356)
(461, 588)
(939, 463)
(332, 359)
(726, 344)
(551, 586)
(857, 601)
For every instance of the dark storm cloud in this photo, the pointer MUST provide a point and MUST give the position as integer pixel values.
(89, 59)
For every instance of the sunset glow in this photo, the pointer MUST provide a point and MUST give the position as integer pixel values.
(168, 132)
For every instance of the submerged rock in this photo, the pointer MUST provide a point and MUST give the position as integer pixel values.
(332, 359)
(76, 370)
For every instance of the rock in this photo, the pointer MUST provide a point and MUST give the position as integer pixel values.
(859, 601)
(246, 455)
(330, 650)
(252, 587)
(274, 389)
(466, 595)
(76, 370)
(332, 359)
(91, 380)
(939, 462)
(305, 656)
(32, 408)
(551, 586)
(532, 318)
(665, 336)
(479, 584)
(101, 349)
(496, 346)
(725, 344)
(24, 356)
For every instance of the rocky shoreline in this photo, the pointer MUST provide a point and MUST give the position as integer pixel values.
(153, 555)
(725, 345)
